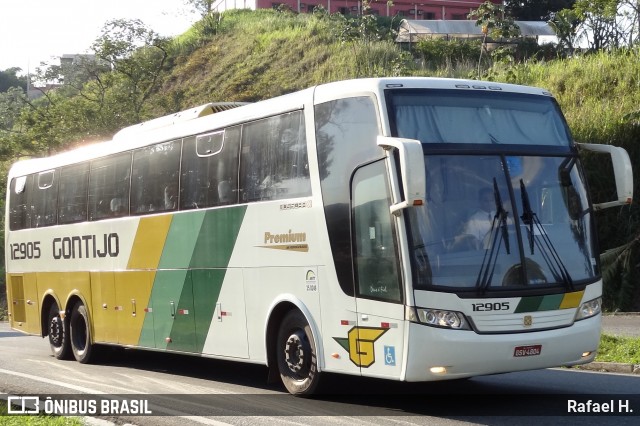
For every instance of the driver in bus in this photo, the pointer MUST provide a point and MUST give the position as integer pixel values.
(475, 233)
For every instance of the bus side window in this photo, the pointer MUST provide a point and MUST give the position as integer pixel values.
(18, 211)
(375, 251)
(274, 159)
(43, 199)
(210, 169)
(154, 181)
(109, 187)
(72, 197)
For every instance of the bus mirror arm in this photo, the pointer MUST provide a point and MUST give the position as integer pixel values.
(412, 174)
(622, 171)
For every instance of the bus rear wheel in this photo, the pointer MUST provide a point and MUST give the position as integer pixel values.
(80, 334)
(296, 355)
(58, 331)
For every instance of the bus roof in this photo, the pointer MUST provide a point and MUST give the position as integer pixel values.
(207, 118)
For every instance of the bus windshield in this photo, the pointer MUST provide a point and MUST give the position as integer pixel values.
(478, 117)
(495, 221)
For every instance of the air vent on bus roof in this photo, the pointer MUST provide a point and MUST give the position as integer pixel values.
(168, 120)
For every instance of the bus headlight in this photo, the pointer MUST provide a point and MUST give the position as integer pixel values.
(439, 318)
(589, 309)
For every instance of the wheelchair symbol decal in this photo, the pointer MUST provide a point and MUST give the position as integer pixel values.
(389, 355)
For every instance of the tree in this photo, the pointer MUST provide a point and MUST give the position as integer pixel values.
(536, 10)
(599, 22)
(631, 12)
(203, 7)
(9, 78)
(136, 56)
(493, 21)
(566, 25)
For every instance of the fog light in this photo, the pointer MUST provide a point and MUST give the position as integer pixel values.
(438, 370)
(586, 354)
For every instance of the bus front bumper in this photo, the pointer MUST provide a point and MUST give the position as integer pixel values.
(453, 354)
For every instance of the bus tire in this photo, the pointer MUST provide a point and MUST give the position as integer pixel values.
(80, 334)
(296, 355)
(58, 331)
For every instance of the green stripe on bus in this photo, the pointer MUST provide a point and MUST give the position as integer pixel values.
(551, 302)
(182, 329)
(168, 287)
(217, 237)
(181, 240)
(207, 284)
(544, 303)
(183, 299)
(529, 304)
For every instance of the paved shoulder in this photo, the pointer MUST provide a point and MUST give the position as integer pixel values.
(621, 324)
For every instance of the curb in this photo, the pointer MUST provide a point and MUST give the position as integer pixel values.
(611, 367)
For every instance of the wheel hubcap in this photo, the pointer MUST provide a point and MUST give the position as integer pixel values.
(296, 352)
(55, 331)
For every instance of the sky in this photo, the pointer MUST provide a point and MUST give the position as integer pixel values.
(35, 31)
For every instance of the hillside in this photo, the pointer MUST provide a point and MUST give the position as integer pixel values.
(255, 55)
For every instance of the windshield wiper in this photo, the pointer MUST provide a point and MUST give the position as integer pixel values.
(546, 248)
(488, 265)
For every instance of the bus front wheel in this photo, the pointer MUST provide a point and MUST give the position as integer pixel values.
(80, 334)
(58, 331)
(296, 355)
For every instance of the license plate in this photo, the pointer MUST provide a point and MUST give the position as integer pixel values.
(531, 350)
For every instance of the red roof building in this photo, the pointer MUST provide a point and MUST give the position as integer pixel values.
(409, 9)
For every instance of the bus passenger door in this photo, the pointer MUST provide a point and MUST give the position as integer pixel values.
(379, 339)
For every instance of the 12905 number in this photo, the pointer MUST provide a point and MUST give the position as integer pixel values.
(30, 250)
(488, 307)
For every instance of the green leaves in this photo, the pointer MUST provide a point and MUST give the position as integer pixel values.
(493, 21)
(619, 275)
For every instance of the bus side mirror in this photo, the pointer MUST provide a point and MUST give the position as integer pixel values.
(411, 171)
(622, 171)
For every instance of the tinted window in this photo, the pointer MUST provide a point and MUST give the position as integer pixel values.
(72, 198)
(346, 131)
(210, 169)
(18, 218)
(375, 253)
(44, 198)
(477, 117)
(109, 187)
(274, 162)
(154, 179)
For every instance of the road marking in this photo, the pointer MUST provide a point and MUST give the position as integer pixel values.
(52, 382)
(197, 419)
(206, 421)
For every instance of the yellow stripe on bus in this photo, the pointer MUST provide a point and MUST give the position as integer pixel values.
(571, 300)
(149, 242)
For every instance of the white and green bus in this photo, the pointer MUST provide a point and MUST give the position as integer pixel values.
(335, 229)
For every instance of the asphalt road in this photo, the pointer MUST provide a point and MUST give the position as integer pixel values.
(184, 390)
(622, 324)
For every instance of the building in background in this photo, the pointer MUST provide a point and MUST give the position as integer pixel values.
(410, 9)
